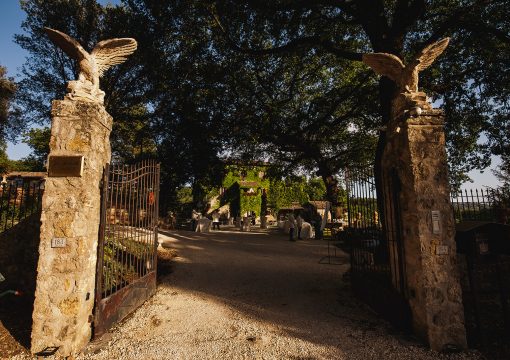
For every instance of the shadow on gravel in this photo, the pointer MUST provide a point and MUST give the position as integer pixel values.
(281, 283)
(16, 324)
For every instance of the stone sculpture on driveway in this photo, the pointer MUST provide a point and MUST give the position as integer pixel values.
(92, 65)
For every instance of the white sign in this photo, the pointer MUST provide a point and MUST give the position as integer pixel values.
(436, 229)
(442, 250)
(1, 277)
(58, 242)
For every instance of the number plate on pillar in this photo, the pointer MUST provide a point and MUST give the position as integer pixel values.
(65, 165)
(58, 242)
(442, 250)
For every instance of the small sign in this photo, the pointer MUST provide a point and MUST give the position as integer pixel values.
(1, 278)
(65, 165)
(482, 241)
(442, 250)
(436, 229)
(58, 242)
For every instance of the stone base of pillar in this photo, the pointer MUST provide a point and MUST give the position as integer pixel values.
(415, 154)
(70, 218)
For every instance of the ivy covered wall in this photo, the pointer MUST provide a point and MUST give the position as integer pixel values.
(243, 187)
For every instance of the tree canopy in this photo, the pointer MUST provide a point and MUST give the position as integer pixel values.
(470, 80)
(279, 81)
(7, 90)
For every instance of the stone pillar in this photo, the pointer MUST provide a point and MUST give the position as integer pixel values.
(69, 229)
(416, 154)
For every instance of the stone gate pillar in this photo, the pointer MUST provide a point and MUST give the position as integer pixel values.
(415, 157)
(64, 299)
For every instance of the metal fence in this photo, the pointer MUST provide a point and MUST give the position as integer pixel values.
(18, 200)
(369, 250)
(126, 273)
(481, 205)
(483, 257)
(376, 255)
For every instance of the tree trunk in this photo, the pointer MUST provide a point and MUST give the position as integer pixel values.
(387, 91)
(331, 188)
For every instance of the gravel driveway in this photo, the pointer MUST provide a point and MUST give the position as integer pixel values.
(234, 295)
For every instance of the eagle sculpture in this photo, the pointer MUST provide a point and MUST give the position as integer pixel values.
(91, 65)
(406, 77)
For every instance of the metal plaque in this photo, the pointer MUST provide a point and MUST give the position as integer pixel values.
(66, 165)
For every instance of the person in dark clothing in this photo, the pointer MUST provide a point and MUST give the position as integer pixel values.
(292, 226)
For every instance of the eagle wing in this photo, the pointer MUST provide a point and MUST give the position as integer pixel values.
(430, 53)
(384, 64)
(70, 46)
(112, 52)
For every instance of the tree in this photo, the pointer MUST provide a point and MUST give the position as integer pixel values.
(466, 83)
(305, 112)
(47, 71)
(502, 173)
(38, 139)
(7, 90)
(186, 74)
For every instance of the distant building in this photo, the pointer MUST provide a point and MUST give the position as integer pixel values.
(244, 188)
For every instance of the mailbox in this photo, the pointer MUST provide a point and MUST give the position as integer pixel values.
(482, 239)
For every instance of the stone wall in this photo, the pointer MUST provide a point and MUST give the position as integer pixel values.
(70, 211)
(416, 154)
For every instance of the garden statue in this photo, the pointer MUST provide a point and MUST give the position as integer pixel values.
(406, 77)
(92, 65)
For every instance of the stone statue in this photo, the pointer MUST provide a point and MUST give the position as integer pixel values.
(92, 66)
(406, 77)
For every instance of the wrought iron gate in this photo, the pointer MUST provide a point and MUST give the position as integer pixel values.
(377, 267)
(127, 248)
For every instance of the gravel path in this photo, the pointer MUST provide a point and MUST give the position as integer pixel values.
(254, 295)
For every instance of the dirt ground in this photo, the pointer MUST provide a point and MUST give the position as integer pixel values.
(232, 295)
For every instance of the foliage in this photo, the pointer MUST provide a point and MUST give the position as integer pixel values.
(502, 173)
(7, 90)
(295, 190)
(4, 160)
(236, 190)
(184, 195)
(47, 69)
(120, 261)
(285, 193)
(471, 79)
(279, 81)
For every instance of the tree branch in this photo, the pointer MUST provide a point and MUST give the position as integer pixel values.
(305, 42)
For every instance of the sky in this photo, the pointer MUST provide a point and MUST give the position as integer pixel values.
(13, 57)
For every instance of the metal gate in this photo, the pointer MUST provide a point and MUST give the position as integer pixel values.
(377, 266)
(127, 248)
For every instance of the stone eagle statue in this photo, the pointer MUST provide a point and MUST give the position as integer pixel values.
(406, 77)
(92, 65)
